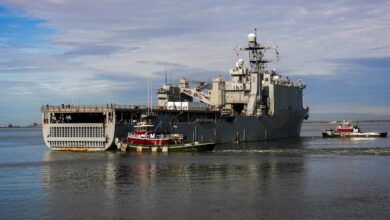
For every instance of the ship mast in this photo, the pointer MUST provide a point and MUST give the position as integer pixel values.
(257, 70)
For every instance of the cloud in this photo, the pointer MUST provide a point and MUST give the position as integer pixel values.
(39, 64)
(93, 50)
(106, 48)
(161, 63)
(375, 63)
(307, 33)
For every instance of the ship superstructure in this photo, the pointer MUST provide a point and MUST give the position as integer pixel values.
(251, 91)
(256, 104)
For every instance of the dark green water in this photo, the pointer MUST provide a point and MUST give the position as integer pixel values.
(306, 178)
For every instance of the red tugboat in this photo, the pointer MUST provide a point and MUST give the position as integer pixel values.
(347, 129)
(143, 138)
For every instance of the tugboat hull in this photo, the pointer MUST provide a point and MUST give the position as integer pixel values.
(189, 147)
(333, 134)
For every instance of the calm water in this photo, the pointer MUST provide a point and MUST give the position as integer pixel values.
(306, 178)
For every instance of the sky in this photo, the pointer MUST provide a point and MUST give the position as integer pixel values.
(99, 52)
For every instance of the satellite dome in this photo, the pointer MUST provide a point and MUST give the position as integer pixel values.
(252, 37)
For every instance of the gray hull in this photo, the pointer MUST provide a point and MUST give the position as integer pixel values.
(240, 128)
(204, 126)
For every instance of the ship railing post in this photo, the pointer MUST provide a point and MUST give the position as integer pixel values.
(195, 134)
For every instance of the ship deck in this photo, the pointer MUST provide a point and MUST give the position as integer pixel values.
(117, 108)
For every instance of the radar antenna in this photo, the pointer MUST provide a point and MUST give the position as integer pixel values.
(257, 70)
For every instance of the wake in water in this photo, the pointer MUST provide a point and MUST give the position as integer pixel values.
(339, 151)
(312, 145)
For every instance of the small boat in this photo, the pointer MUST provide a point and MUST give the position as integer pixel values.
(348, 129)
(143, 138)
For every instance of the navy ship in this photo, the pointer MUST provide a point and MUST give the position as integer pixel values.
(256, 104)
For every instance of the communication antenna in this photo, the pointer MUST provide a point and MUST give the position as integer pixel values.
(256, 34)
(151, 97)
(148, 96)
(236, 49)
(150, 100)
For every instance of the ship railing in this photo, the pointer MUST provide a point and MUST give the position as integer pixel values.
(131, 107)
(289, 82)
(192, 108)
(80, 108)
(85, 108)
(112, 107)
(157, 107)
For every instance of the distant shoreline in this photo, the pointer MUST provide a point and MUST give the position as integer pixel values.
(21, 127)
(362, 121)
